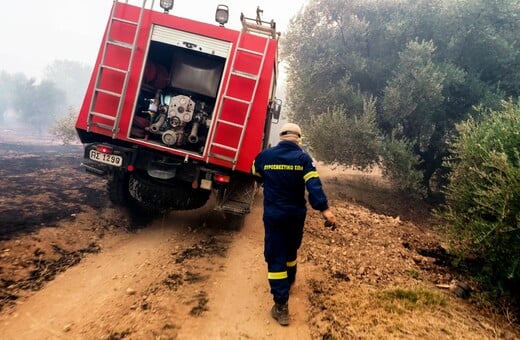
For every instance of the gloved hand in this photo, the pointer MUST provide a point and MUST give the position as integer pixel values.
(330, 219)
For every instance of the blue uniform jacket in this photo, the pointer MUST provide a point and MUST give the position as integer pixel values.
(286, 170)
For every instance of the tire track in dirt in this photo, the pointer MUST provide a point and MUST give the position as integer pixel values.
(86, 297)
(103, 296)
(239, 299)
(184, 277)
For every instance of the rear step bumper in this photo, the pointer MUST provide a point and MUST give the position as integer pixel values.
(234, 207)
(94, 168)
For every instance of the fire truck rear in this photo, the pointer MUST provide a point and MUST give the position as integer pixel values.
(176, 109)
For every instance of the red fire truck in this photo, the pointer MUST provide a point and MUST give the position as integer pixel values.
(176, 109)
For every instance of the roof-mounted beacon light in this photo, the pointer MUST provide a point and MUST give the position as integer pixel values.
(222, 14)
(167, 5)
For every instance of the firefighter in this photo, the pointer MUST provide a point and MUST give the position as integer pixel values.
(285, 172)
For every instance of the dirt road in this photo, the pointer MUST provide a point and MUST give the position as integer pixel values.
(158, 282)
(74, 267)
(181, 275)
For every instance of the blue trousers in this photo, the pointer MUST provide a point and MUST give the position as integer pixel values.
(283, 238)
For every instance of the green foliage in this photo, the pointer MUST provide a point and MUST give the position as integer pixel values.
(427, 64)
(64, 127)
(414, 274)
(400, 165)
(400, 300)
(336, 137)
(413, 96)
(482, 214)
(413, 113)
(320, 77)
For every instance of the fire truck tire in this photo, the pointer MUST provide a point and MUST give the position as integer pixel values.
(166, 195)
(119, 195)
(118, 189)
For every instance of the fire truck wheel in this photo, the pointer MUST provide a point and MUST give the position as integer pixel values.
(119, 195)
(166, 195)
(118, 189)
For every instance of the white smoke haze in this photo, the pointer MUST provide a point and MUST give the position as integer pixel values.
(35, 32)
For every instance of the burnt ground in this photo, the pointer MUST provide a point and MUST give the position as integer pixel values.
(41, 185)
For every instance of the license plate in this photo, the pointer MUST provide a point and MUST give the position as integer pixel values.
(105, 158)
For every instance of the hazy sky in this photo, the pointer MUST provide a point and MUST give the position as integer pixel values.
(33, 33)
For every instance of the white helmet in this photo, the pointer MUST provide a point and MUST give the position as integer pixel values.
(291, 129)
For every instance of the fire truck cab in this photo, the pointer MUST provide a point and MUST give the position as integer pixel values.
(177, 109)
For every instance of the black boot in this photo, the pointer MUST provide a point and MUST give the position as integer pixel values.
(280, 313)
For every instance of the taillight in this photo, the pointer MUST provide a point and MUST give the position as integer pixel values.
(221, 179)
(104, 149)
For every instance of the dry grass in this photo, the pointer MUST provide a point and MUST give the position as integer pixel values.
(366, 312)
(390, 291)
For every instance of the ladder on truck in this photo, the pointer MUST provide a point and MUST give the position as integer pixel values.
(114, 119)
(259, 27)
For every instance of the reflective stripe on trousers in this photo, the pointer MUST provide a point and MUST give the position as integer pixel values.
(283, 236)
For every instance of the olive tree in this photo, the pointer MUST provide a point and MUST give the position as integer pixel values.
(427, 65)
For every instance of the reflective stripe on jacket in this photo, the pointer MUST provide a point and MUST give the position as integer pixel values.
(286, 171)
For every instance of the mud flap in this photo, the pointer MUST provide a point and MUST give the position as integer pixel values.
(238, 196)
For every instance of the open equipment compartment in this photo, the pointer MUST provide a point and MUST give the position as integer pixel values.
(179, 90)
